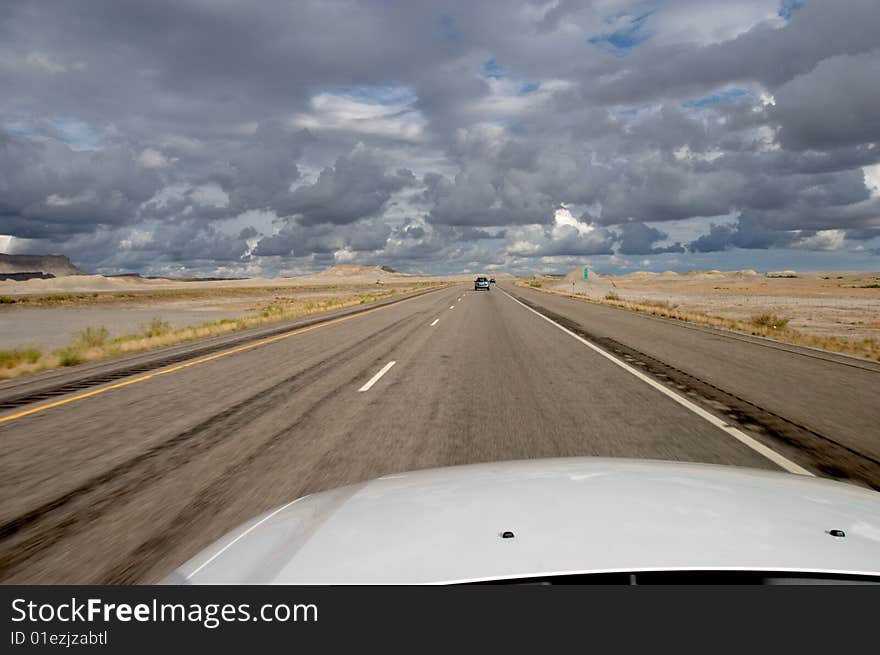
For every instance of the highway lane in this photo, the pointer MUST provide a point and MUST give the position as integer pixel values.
(834, 396)
(124, 486)
(103, 469)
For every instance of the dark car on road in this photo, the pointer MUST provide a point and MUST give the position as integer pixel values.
(491, 280)
(481, 283)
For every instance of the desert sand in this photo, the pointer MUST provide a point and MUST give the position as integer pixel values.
(824, 303)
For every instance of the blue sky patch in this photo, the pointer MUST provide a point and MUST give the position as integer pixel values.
(630, 31)
(722, 97)
(788, 7)
(492, 69)
(75, 133)
(529, 87)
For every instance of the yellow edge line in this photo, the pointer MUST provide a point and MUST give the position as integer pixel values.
(224, 353)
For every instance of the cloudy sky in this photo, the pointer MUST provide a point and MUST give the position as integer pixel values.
(241, 138)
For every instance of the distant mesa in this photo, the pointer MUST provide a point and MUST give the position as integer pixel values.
(35, 267)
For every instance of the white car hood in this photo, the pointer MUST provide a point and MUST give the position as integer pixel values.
(567, 515)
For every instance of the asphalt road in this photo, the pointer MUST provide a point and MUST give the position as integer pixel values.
(123, 485)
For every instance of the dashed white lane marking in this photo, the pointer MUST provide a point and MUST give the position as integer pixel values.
(739, 435)
(373, 380)
(436, 320)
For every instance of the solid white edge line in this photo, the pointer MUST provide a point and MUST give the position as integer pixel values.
(739, 435)
(436, 320)
(373, 380)
(242, 536)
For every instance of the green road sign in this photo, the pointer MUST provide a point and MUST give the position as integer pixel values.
(586, 272)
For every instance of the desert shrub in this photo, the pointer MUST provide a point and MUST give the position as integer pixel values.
(611, 295)
(7, 300)
(769, 321)
(156, 327)
(271, 310)
(16, 356)
(69, 356)
(91, 337)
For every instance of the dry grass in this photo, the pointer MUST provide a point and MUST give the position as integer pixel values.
(763, 325)
(18, 361)
(769, 321)
(18, 356)
(95, 343)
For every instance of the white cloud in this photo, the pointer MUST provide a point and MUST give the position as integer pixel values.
(872, 179)
(822, 240)
(392, 117)
(56, 200)
(345, 256)
(506, 99)
(563, 218)
(704, 23)
(684, 152)
(151, 158)
(523, 248)
(210, 195)
(136, 238)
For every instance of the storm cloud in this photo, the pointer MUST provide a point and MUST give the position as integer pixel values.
(248, 139)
